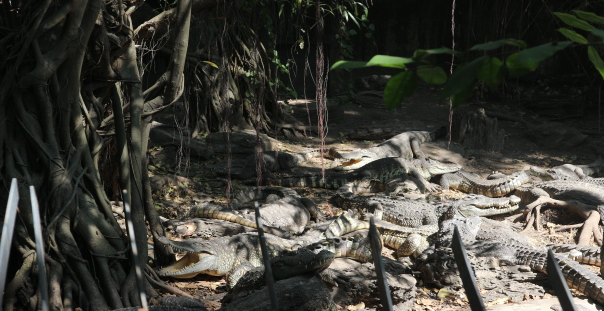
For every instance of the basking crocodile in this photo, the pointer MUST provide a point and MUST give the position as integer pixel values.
(569, 171)
(580, 253)
(383, 169)
(577, 277)
(405, 145)
(245, 278)
(472, 183)
(581, 197)
(415, 222)
(506, 248)
(219, 256)
(283, 210)
(273, 161)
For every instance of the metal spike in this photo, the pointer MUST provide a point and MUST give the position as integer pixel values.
(376, 254)
(137, 265)
(268, 270)
(12, 205)
(42, 284)
(559, 283)
(465, 271)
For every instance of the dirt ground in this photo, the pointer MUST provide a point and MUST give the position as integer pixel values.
(422, 111)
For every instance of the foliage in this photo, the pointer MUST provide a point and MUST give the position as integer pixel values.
(483, 62)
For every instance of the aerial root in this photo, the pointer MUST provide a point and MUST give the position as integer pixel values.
(589, 228)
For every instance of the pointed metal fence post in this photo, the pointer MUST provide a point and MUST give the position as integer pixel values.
(268, 270)
(42, 283)
(466, 273)
(559, 283)
(140, 281)
(378, 263)
(12, 205)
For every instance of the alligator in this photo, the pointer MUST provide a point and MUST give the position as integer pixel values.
(220, 255)
(405, 145)
(581, 197)
(472, 183)
(415, 223)
(383, 169)
(569, 171)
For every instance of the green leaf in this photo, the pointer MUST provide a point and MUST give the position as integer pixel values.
(462, 77)
(497, 44)
(398, 88)
(598, 32)
(517, 68)
(348, 64)
(463, 96)
(542, 52)
(573, 35)
(419, 54)
(590, 17)
(595, 59)
(491, 72)
(572, 20)
(389, 61)
(352, 32)
(432, 74)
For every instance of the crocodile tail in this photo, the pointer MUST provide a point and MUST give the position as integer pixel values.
(313, 181)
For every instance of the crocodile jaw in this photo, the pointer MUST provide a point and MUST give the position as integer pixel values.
(192, 264)
(489, 206)
(439, 168)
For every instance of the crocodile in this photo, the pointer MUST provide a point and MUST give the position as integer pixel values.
(581, 197)
(405, 145)
(415, 223)
(220, 255)
(383, 169)
(577, 277)
(271, 161)
(472, 183)
(584, 254)
(508, 249)
(283, 211)
(569, 171)
(245, 278)
(215, 211)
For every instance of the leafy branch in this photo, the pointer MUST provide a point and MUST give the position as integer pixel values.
(488, 68)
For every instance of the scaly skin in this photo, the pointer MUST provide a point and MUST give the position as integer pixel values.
(577, 277)
(382, 170)
(580, 253)
(471, 183)
(219, 256)
(404, 145)
(414, 223)
(288, 264)
(568, 171)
